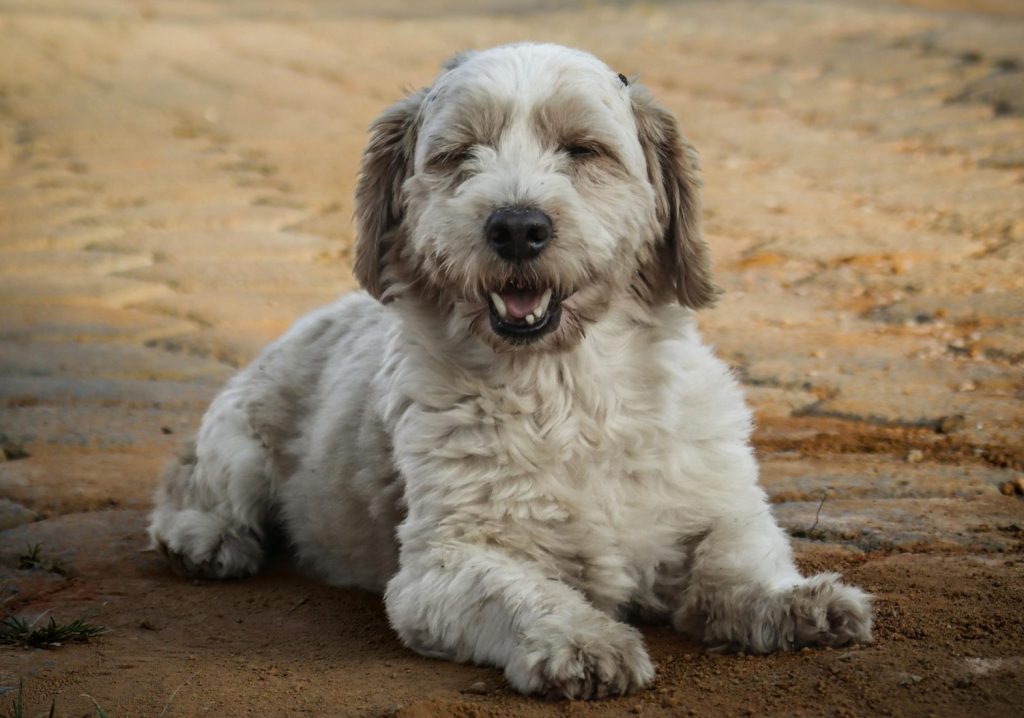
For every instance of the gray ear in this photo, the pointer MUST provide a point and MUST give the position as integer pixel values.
(681, 268)
(380, 206)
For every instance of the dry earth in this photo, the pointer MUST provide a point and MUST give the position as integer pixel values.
(176, 186)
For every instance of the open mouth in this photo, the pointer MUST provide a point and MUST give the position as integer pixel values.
(522, 312)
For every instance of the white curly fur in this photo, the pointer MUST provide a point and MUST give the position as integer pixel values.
(515, 502)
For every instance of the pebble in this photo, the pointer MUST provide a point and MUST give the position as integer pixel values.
(1009, 488)
(13, 514)
(479, 689)
(915, 456)
(910, 679)
(12, 452)
(949, 424)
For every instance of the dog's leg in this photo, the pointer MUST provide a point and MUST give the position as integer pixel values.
(744, 592)
(213, 499)
(479, 604)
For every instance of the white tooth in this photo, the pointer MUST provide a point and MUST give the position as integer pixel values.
(499, 305)
(543, 306)
(530, 319)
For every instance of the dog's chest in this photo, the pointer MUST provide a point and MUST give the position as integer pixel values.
(575, 482)
(593, 512)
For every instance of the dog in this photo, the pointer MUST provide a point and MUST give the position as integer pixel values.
(515, 432)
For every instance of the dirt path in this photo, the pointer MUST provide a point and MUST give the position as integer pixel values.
(175, 188)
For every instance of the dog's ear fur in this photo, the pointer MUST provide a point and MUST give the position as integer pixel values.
(380, 205)
(680, 269)
(457, 59)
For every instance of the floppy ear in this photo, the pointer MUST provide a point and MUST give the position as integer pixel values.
(380, 205)
(680, 269)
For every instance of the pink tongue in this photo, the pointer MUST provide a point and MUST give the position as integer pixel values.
(519, 304)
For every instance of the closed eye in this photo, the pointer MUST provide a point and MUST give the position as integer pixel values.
(584, 150)
(450, 158)
(577, 151)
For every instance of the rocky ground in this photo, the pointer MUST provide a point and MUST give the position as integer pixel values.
(176, 186)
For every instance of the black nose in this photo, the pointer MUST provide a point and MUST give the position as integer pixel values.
(518, 233)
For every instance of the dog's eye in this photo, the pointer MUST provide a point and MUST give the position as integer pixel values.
(580, 151)
(450, 159)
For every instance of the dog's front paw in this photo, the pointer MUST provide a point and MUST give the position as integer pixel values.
(200, 544)
(826, 612)
(591, 658)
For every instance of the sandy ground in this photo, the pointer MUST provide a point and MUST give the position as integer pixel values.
(176, 187)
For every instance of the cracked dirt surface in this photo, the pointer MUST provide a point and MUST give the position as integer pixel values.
(176, 187)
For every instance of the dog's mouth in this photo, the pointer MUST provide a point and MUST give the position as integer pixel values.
(522, 312)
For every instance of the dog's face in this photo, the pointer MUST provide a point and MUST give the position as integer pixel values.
(524, 192)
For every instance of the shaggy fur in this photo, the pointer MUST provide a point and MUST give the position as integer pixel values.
(514, 498)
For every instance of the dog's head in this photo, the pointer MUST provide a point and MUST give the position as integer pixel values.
(526, 191)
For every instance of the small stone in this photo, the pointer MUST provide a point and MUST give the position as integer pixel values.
(12, 514)
(949, 424)
(1018, 485)
(1008, 488)
(147, 625)
(915, 456)
(479, 689)
(13, 452)
(1017, 232)
(910, 679)
(669, 702)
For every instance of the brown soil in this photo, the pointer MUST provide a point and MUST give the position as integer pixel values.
(846, 437)
(949, 637)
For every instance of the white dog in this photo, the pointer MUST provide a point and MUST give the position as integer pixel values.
(516, 433)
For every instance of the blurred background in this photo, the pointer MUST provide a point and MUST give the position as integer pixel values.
(176, 186)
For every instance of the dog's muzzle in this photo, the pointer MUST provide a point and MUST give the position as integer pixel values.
(521, 310)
